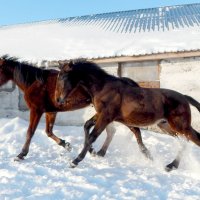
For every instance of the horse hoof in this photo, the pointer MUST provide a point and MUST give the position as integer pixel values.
(170, 167)
(72, 165)
(18, 159)
(68, 147)
(101, 153)
(93, 153)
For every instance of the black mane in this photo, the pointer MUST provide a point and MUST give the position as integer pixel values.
(84, 66)
(87, 67)
(23, 71)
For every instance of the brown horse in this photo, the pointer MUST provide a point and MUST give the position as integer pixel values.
(116, 100)
(38, 86)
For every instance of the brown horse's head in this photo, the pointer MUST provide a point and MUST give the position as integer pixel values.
(66, 82)
(4, 74)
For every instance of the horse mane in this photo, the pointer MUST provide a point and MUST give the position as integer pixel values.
(129, 81)
(88, 67)
(23, 71)
(84, 66)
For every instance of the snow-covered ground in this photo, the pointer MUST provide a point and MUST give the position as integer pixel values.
(122, 174)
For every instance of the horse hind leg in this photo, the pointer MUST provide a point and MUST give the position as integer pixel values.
(166, 128)
(181, 125)
(50, 120)
(194, 136)
(189, 134)
(110, 130)
(175, 163)
(142, 147)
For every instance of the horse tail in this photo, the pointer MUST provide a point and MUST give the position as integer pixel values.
(193, 102)
(196, 104)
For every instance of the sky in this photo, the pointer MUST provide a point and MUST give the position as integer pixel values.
(24, 11)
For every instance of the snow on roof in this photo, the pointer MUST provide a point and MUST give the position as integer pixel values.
(127, 33)
(142, 20)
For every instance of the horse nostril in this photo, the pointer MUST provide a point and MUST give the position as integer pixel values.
(60, 101)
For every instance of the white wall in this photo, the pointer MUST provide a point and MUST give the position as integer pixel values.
(141, 71)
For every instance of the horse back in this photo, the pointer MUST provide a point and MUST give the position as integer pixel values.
(152, 104)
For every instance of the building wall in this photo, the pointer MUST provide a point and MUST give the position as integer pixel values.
(141, 71)
(146, 73)
(168, 73)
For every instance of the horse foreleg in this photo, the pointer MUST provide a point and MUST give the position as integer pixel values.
(87, 126)
(100, 125)
(142, 147)
(34, 120)
(110, 129)
(50, 120)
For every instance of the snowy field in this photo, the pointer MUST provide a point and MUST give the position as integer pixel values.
(123, 174)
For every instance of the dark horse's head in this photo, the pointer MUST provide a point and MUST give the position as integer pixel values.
(66, 82)
(73, 74)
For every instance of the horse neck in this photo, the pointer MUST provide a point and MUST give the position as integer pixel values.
(9, 71)
(15, 77)
(93, 85)
(18, 77)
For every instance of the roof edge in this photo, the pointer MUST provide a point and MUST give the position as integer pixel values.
(148, 57)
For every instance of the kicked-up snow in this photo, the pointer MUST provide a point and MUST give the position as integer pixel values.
(122, 174)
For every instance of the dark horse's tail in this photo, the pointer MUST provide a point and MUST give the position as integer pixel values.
(193, 102)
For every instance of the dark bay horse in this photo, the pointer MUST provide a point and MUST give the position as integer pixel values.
(38, 86)
(116, 100)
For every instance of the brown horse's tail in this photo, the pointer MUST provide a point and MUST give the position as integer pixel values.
(193, 102)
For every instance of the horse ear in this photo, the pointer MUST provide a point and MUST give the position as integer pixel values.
(61, 64)
(68, 66)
